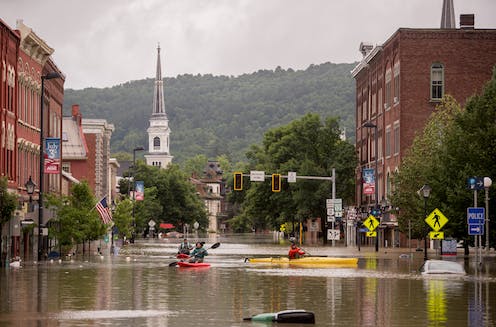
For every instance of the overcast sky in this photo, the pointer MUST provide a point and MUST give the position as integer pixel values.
(101, 43)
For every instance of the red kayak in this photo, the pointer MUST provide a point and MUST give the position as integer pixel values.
(192, 264)
(182, 256)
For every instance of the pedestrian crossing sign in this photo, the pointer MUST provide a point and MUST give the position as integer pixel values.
(436, 220)
(371, 223)
(436, 235)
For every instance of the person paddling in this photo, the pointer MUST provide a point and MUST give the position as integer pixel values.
(295, 252)
(184, 247)
(198, 253)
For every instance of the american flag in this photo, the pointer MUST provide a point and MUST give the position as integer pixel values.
(104, 211)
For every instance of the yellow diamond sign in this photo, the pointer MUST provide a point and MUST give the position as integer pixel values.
(371, 223)
(436, 220)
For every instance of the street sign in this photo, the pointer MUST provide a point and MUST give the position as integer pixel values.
(371, 234)
(363, 230)
(338, 208)
(331, 219)
(257, 176)
(475, 229)
(475, 216)
(291, 177)
(333, 234)
(371, 223)
(436, 235)
(436, 220)
(330, 211)
(475, 183)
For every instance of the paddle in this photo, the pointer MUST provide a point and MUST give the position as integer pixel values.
(214, 246)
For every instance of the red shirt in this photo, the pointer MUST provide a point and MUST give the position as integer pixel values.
(294, 251)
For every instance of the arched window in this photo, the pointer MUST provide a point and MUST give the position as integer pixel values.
(156, 143)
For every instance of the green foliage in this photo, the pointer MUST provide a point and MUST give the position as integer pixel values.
(123, 218)
(173, 198)
(308, 147)
(221, 115)
(455, 145)
(77, 220)
(424, 164)
(194, 166)
(8, 202)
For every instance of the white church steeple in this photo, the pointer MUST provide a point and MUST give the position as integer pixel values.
(159, 131)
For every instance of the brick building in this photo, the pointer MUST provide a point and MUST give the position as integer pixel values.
(398, 85)
(25, 59)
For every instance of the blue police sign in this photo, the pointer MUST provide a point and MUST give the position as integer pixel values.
(475, 216)
(475, 183)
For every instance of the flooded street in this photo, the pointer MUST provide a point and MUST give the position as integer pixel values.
(139, 288)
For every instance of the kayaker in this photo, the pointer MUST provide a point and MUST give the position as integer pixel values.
(184, 247)
(198, 253)
(295, 252)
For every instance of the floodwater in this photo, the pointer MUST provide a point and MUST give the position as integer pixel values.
(139, 288)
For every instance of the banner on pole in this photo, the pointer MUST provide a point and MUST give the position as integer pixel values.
(52, 156)
(368, 181)
(140, 191)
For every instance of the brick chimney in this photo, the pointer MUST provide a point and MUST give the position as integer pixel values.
(467, 21)
(76, 114)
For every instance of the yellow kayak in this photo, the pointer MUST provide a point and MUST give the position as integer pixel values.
(307, 261)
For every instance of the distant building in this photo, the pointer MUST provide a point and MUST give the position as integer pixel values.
(158, 133)
(211, 189)
(86, 149)
(398, 85)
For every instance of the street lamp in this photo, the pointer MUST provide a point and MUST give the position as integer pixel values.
(48, 76)
(30, 185)
(139, 148)
(425, 191)
(487, 184)
(376, 173)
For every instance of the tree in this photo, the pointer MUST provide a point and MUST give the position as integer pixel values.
(8, 203)
(309, 147)
(424, 164)
(77, 220)
(123, 218)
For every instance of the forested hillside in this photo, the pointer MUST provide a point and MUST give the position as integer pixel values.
(215, 115)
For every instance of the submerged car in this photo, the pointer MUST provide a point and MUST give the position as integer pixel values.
(431, 267)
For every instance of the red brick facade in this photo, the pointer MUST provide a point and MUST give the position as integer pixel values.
(393, 90)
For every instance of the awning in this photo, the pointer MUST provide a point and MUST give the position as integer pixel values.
(166, 226)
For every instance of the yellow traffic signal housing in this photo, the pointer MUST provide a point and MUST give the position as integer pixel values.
(238, 181)
(276, 182)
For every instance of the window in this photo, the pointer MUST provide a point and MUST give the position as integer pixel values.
(156, 143)
(437, 82)
(66, 166)
(396, 95)
(396, 137)
(388, 141)
(387, 95)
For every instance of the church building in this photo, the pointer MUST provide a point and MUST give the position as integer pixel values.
(158, 133)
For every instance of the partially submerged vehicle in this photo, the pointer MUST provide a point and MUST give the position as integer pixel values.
(444, 267)
(286, 316)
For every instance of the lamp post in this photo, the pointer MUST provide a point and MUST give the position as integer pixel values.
(48, 76)
(30, 185)
(425, 191)
(487, 184)
(139, 148)
(376, 174)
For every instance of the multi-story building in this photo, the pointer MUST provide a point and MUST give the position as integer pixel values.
(398, 85)
(26, 62)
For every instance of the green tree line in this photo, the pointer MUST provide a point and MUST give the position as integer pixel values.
(220, 115)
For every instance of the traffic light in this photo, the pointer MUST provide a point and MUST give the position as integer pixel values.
(276, 182)
(238, 181)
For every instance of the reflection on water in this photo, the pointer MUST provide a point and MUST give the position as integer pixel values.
(384, 290)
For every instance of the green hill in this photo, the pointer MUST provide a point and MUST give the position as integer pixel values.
(214, 115)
